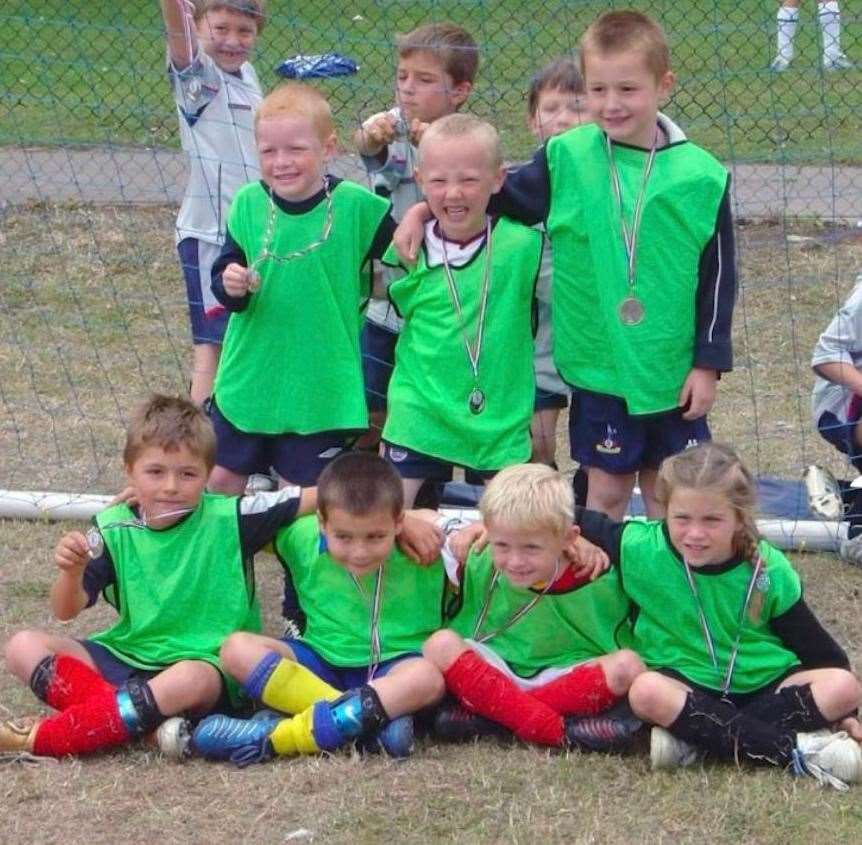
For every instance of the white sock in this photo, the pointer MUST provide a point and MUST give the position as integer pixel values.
(829, 18)
(788, 18)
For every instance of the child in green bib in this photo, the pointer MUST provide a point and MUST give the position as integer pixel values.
(177, 566)
(462, 390)
(356, 673)
(644, 278)
(739, 666)
(294, 273)
(534, 645)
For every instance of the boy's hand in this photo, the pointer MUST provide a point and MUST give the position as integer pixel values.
(472, 537)
(410, 232)
(417, 130)
(236, 280)
(377, 132)
(128, 495)
(72, 552)
(586, 559)
(420, 540)
(698, 393)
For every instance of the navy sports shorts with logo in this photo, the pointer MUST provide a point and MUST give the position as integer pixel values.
(410, 464)
(208, 317)
(603, 434)
(842, 434)
(298, 458)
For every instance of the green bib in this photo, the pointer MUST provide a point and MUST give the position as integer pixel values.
(428, 400)
(338, 611)
(290, 361)
(179, 592)
(562, 629)
(667, 627)
(645, 364)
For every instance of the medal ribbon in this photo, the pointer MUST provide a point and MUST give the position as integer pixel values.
(519, 614)
(707, 633)
(376, 603)
(630, 235)
(474, 350)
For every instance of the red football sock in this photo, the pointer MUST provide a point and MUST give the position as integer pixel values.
(73, 683)
(581, 692)
(82, 728)
(488, 692)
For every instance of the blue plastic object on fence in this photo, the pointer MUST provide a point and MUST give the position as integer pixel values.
(318, 66)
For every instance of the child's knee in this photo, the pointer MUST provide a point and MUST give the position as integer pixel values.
(621, 669)
(648, 697)
(432, 683)
(203, 681)
(23, 651)
(234, 652)
(845, 692)
(443, 648)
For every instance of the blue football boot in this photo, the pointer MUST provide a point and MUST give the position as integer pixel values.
(241, 741)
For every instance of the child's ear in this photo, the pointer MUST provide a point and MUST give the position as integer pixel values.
(459, 92)
(399, 523)
(572, 533)
(499, 178)
(321, 521)
(665, 86)
(330, 145)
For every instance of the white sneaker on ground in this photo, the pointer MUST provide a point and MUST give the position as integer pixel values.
(668, 752)
(837, 62)
(173, 737)
(780, 63)
(850, 551)
(824, 493)
(830, 758)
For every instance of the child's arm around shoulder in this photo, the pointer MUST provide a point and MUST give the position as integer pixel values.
(180, 32)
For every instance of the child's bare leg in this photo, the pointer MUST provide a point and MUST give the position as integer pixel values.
(657, 699)
(192, 686)
(609, 493)
(621, 668)
(224, 480)
(409, 686)
(411, 488)
(268, 670)
(27, 649)
(543, 429)
(205, 357)
(647, 479)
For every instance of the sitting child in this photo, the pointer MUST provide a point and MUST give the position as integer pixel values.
(178, 569)
(837, 408)
(463, 387)
(533, 644)
(357, 671)
(740, 668)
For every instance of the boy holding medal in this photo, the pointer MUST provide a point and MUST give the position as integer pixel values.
(463, 386)
(644, 276)
(294, 272)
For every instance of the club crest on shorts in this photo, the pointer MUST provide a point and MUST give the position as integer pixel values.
(610, 445)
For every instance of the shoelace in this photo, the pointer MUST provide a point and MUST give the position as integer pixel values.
(801, 766)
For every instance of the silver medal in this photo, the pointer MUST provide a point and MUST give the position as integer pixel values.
(253, 281)
(193, 89)
(631, 311)
(762, 583)
(95, 543)
(477, 401)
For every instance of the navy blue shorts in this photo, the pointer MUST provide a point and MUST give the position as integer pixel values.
(111, 668)
(546, 399)
(207, 315)
(841, 434)
(378, 359)
(298, 458)
(604, 435)
(338, 676)
(737, 699)
(410, 464)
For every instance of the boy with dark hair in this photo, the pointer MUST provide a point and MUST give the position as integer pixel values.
(356, 672)
(178, 568)
(437, 66)
(644, 272)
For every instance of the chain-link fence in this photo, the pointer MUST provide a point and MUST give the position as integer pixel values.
(92, 311)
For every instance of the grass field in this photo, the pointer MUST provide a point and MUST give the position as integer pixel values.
(92, 72)
(92, 316)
